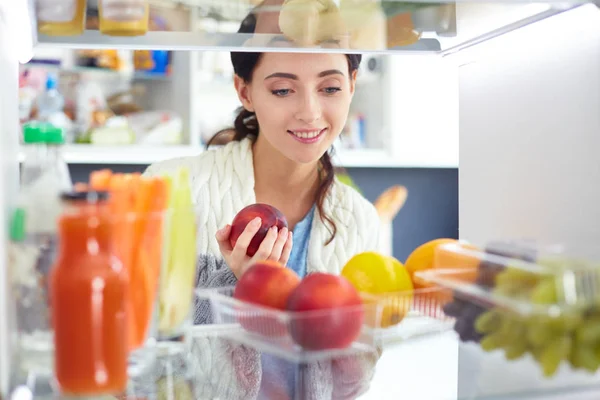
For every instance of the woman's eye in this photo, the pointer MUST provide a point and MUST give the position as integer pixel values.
(281, 92)
(332, 90)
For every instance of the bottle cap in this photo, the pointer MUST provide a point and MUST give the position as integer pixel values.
(51, 82)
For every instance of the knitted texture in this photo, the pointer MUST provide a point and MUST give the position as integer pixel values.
(222, 183)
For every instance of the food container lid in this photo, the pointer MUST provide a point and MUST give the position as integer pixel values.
(527, 277)
(90, 196)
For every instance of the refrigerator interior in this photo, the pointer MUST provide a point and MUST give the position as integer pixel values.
(529, 130)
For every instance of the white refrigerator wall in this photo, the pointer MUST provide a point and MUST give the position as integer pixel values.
(529, 105)
(16, 44)
(8, 184)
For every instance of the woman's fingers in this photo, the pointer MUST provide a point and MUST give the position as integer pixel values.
(266, 246)
(287, 249)
(243, 241)
(277, 250)
(222, 237)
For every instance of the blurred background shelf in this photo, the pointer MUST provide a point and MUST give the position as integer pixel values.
(147, 154)
(96, 72)
(127, 154)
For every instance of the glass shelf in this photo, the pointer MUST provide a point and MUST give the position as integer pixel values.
(412, 369)
(93, 71)
(368, 26)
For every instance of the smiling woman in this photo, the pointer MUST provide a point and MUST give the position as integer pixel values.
(294, 106)
(299, 103)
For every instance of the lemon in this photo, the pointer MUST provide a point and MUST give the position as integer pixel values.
(370, 272)
(387, 279)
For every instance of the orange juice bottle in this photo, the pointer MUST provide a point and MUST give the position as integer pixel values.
(123, 17)
(61, 18)
(88, 288)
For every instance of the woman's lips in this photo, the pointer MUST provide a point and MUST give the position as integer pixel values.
(307, 136)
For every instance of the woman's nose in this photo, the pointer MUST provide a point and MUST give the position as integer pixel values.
(309, 110)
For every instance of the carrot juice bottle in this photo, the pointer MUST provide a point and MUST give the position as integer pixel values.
(88, 289)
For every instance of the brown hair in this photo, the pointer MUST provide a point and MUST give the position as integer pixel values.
(246, 124)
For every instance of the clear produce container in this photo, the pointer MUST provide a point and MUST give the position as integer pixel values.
(385, 318)
(525, 311)
(281, 332)
(410, 314)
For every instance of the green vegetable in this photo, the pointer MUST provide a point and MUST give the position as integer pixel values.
(177, 280)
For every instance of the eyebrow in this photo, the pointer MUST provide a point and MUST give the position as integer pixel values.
(295, 77)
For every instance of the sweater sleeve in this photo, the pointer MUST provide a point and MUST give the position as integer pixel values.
(222, 367)
(211, 272)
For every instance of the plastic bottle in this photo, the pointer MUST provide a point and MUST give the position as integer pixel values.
(44, 175)
(51, 101)
(54, 140)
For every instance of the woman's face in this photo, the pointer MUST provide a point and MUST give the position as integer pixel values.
(301, 101)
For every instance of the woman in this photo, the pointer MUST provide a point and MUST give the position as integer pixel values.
(294, 106)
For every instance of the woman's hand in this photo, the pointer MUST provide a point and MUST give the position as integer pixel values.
(276, 246)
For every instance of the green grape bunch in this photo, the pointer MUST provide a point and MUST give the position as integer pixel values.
(571, 336)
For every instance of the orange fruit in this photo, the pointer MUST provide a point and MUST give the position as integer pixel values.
(422, 258)
(386, 282)
(461, 257)
(447, 254)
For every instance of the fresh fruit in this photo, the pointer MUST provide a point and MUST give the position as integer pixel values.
(422, 259)
(269, 215)
(447, 254)
(461, 258)
(385, 277)
(372, 272)
(267, 284)
(467, 310)
(571, 336)
(458, 256)
(328, 312)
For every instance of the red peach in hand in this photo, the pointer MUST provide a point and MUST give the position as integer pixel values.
(269, 215)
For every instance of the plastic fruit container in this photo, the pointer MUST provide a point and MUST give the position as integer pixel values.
(527, 301)
(409, 314)
(276, 332)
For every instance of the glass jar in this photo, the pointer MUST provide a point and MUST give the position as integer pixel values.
(123, 17)
(61, 17)
(88, 297)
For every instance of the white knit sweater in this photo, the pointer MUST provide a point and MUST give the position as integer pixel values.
(222, 182)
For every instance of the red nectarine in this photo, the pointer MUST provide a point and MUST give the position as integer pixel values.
(268, 284)
(332, 310)
(270, 217)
